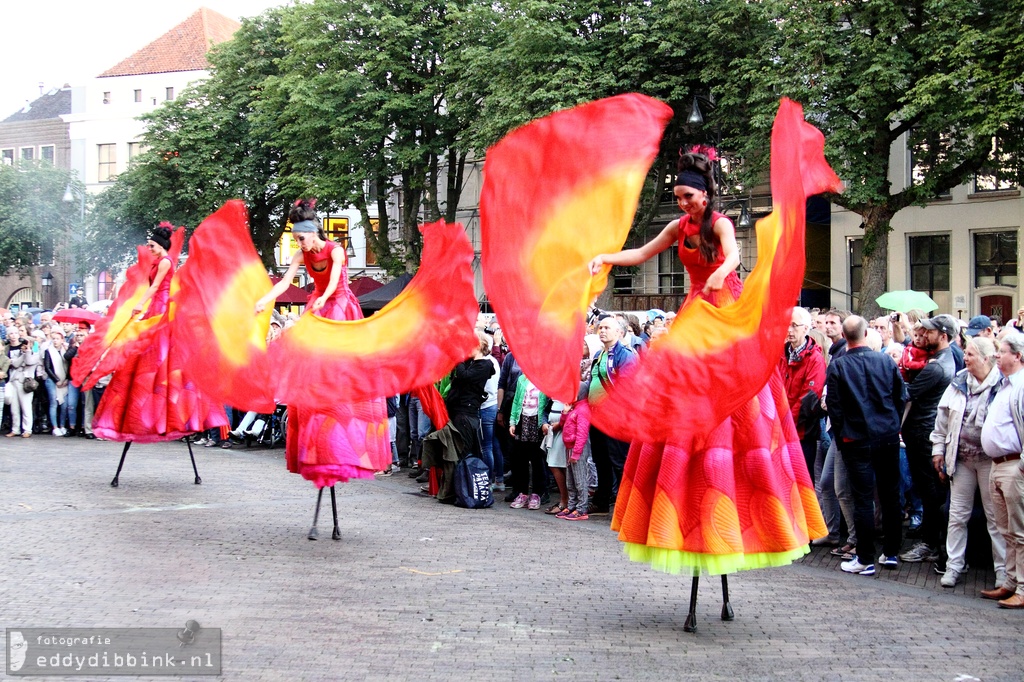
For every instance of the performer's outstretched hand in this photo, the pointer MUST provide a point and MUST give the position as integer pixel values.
(597, 263)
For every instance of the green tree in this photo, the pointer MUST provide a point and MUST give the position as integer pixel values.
(871, 72)
(367, 113)
(34, 218)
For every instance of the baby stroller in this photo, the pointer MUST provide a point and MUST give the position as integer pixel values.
(268, 430)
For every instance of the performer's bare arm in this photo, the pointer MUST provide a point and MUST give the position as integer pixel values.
(665, 239)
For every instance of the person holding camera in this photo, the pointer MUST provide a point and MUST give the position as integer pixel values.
(21, 385)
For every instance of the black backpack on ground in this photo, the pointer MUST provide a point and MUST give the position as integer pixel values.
(472, 484)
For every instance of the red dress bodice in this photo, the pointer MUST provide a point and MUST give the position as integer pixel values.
(700, 269)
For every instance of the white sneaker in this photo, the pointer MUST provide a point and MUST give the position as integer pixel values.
(855, 566)
(395, 468)
(57, 431)
(950, 578)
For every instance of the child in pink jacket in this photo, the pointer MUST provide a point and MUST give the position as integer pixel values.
(575, 428)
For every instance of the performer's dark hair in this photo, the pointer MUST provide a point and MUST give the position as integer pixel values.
(303, 209)
(699, 163)
(162, 236)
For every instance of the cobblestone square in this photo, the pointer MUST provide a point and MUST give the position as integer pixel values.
(415, 590)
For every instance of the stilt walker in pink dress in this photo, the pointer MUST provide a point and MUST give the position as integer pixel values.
(341, 441)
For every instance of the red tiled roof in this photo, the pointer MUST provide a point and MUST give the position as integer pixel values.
(183, 48)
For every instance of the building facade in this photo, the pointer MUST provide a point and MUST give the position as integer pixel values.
(962, 249)
(37, 133)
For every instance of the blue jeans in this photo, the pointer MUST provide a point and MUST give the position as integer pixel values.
(907, 494)
(870, 465)
(419, 427)
(72, 403)
(490, 447)
(58, 411)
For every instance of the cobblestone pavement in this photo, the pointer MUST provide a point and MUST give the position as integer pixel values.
(416, 590)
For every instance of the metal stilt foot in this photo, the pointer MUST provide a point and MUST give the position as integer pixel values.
(313, 534)
(336, 535)
(691, 618)
(193, 457)
(127, 444)
(727, 613)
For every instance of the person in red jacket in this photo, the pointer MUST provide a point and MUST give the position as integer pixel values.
(803, 370)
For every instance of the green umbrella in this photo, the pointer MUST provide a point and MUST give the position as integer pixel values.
(903, 301)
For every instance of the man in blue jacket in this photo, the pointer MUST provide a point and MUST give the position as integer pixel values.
(865, 399)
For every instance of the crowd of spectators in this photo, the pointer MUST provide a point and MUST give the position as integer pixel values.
(903, 420)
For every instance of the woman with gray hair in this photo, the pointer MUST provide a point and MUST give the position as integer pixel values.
(957, 454)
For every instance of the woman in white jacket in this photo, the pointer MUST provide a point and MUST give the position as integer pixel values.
(957, 453)
(24, 364)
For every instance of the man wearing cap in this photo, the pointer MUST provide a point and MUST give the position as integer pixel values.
(980, 325)
(925, 391)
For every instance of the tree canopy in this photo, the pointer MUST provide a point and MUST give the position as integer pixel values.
(34, 218)
(381, 104)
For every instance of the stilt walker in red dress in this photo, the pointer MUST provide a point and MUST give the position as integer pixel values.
(149, 399)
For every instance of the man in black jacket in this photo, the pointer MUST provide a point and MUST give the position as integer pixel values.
(865, 401)
(925, 391)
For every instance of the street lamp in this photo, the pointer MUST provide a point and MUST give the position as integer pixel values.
(743, 222)
(69, 196)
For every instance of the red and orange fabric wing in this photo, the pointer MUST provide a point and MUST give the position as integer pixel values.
(213, 318)
(714, 360)
(556, 193)
(414, 340)
(117, 332)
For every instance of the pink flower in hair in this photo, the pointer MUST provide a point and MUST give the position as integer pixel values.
(706, 150)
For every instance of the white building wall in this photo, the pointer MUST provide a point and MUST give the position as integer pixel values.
(961, 215)
(94, 121)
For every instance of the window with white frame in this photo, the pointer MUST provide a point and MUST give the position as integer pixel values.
(47, 153)
(28, 153)
(169, 94)
(671, 273)
(134, 149)
(138, 95)
(855, 249)
(929, 267)
(926, 154)
(998, 172)
(995, 259)
(107, 168)
(7, 157)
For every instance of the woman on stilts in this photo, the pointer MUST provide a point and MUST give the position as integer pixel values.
(697, 506)
(338, 442)
(148, 400)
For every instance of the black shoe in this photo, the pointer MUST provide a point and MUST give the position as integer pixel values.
(423, 478)
(88, 436)
(71, 433)
(545, 499)
(511, 496)
(596, 510)
(414, 472)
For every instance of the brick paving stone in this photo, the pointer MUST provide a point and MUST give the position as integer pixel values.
(416, 590)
